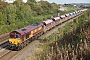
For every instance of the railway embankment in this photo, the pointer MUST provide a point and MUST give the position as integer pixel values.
(70, 42)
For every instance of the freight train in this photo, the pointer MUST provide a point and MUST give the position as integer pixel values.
(18, 39)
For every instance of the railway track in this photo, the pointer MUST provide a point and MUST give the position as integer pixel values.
(4, 45)
(4, 35)
(3, 38)
(6, 54)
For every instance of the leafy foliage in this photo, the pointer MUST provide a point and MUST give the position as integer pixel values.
(72, 42)
(18, 14)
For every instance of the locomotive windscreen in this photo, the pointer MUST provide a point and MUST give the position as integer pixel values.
(11, 36)
(14, 35)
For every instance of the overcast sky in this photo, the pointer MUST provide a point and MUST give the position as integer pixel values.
(70, 1)
(67, 1)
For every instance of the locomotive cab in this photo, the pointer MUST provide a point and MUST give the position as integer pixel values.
(14, 38)
(17, 36)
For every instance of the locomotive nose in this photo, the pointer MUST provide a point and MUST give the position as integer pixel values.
(14, 41)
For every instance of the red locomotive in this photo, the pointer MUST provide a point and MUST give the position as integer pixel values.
(21, 37)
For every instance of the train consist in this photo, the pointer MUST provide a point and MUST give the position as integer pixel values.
(21, 37)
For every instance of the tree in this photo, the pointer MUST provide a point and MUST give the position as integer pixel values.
(18, 0)
(2, 18)
(11, 14)
(32, 1)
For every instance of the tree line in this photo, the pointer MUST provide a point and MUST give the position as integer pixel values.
(18, 14)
